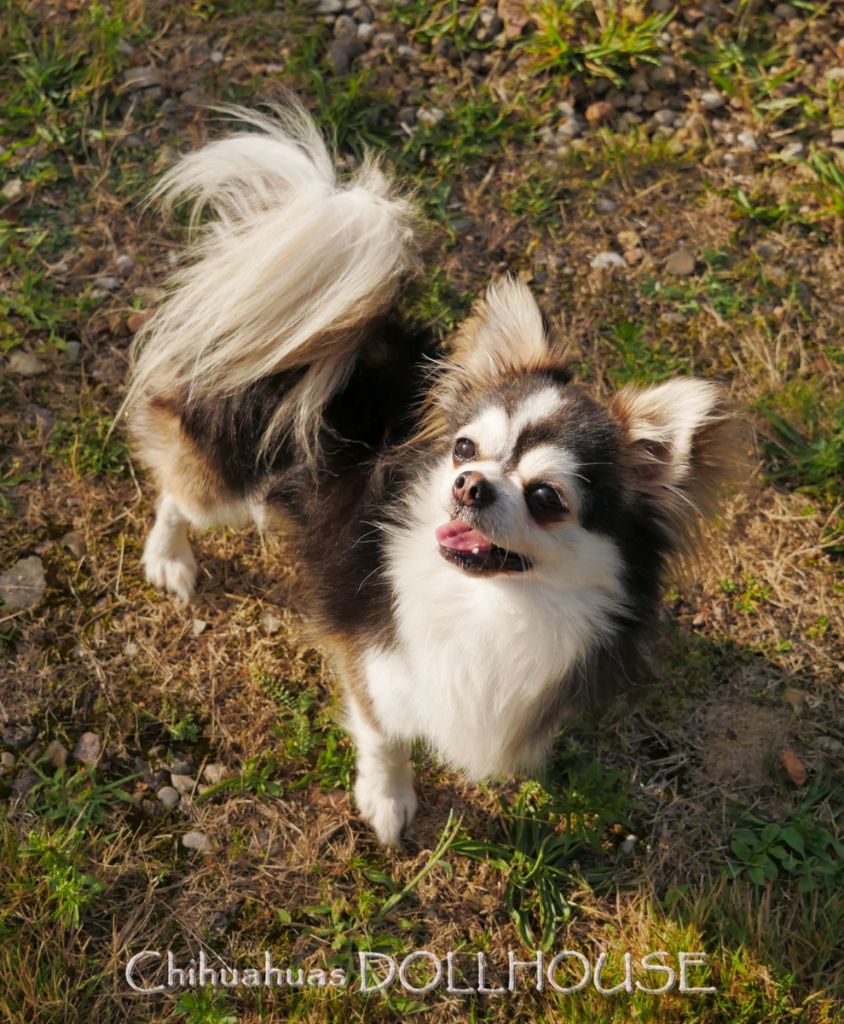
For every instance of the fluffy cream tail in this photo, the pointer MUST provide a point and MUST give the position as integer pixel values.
(287, 272)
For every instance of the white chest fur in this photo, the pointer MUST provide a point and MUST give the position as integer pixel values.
(476, 654)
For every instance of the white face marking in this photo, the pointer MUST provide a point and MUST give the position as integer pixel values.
(490, 432)
(541, 405)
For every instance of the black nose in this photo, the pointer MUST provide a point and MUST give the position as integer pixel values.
(473, 490)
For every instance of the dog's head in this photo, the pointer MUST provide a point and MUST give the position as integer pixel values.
(540, 479)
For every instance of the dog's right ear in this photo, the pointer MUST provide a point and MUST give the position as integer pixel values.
(506, 333)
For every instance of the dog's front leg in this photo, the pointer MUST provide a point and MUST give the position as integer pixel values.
(168, 559)
(384, 788)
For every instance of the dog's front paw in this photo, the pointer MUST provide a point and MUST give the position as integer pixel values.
(173, 570)
(386, 808)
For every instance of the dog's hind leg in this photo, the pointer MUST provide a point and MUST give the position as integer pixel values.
(168, 559)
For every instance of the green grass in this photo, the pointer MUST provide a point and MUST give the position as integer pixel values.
(579, 36)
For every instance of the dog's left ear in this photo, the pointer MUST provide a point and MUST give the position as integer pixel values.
(682, 446)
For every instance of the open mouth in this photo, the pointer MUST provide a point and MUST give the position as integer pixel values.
(467, 547)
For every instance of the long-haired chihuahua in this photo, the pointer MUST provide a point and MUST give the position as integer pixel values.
(481, 544)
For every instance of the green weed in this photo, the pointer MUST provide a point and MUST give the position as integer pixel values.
(88, 444)
(638, 357)
(594, 39)
(799, 851)
(544, 838)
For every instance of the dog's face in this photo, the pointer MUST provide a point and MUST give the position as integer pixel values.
(531, 484)
(539, 480)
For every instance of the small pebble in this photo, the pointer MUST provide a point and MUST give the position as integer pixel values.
(605, 205)
(130, 648)
(430, 117)
(142, 78)
(183, 783)
(199, 626)
(629, 845)
(56, 753)
(137, 320)
(196, 841)
(107, 283)
(75, 543)
(25, 364)
(329, 6)
(606, 260)
(217, 57)
(747, 140)
(72, 350)
(168, 796)
(87, 749)
(835, 74)
(628, 239)
(180, 765)
(24, 584)
(12, 190)
(792, 151)
(599, 112)
(124, 264)
(665, 117)
(214, 773)
(345, 26)
(830, 744)
(712, 100)
(680, 263)
(365, 31)
(7, 760)
(837, 137)
(17, 735)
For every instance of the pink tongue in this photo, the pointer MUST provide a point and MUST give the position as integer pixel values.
(458, 536)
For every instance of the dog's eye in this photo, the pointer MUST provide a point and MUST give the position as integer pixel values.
(545, 502)
(464, 449)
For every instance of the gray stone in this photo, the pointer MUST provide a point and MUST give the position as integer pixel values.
(183, 783)
(629, 845)
(680, 263)
(329, 6)
(606, 205)
(196, 841)
(72, 350)
(342, 52)
(747, 140)
(17, 735)
(27, 779)
(384, 40)
(147, 77)
(87, 749)
(7, 760)
(430, 117)
(365, 31)
(712, 100)
(214, 773)
(345, 27)
(217, 57)
(181, 765)
(56, 753)
(75, 543)
(124, 264)
(837, 137)
(665, 117)
(364, 14)
(792, 151)
(107, 283)
(13, 190)
(169, 797)
(25, 364)
(606, 260)
(24, 584)
(785, 12)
